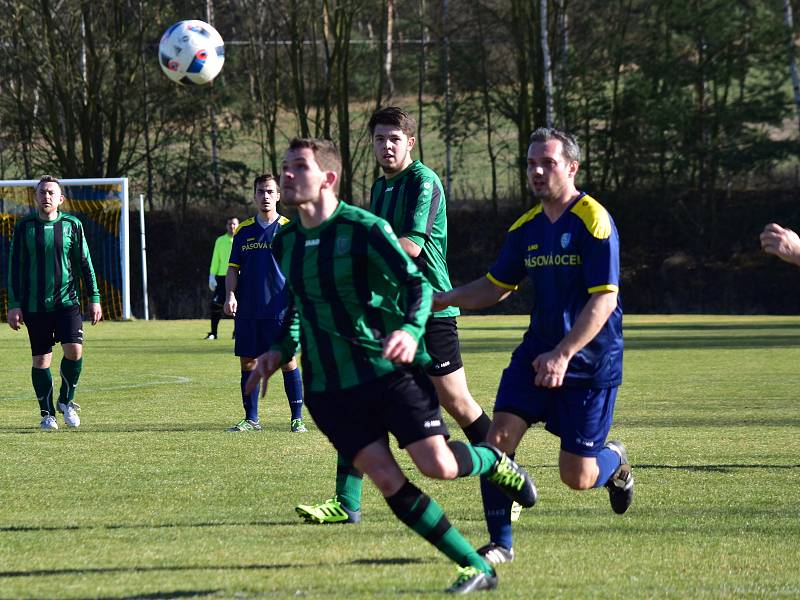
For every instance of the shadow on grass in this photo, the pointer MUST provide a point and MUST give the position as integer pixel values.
(89, 428)
(743, 325)
(663, 342)
(29, 528)
(149, 569)
(161, 595)
(387, 561)
(714, 468)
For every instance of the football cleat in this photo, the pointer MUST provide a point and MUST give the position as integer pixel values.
(245, 425)
(48, 423)
(511, 479)
(210, 336)
(620, 485)
(70, 411)
(298, 426)
(496, 554)
(328, 512)
(471, 579)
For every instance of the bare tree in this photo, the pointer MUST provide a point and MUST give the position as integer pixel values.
(788, 20)
(546, 63)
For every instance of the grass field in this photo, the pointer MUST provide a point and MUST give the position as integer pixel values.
(151, 499)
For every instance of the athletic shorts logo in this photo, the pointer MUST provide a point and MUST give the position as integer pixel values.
(431, 424)
(585, 443)
(442, 365)
(565, 238)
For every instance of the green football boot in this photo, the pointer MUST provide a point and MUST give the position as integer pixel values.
(245, 425)
(471, 579)
(328, 512)
(511, 479)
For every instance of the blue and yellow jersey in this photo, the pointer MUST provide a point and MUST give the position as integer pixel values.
(567, 261)
(261, 290)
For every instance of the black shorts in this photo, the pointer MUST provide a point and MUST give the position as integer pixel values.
(48, 328)
(218, 297)
(402, 403)
(441, 340)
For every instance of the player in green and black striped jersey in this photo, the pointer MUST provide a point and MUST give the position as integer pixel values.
(361, 306)
(410, 197)
(48, 254)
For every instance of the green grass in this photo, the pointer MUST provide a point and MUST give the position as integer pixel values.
(151, 499)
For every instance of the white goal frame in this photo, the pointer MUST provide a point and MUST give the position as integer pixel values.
(124, 237)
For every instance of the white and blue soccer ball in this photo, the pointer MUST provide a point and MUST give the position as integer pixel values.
(191, 52)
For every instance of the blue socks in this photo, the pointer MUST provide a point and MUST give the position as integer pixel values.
(293, 385)
(608, 461)
(250, 401)
(497, 511)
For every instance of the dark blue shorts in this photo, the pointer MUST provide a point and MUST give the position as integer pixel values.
(581, 417)
(255, 336)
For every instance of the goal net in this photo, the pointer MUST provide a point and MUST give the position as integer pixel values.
(102, 207)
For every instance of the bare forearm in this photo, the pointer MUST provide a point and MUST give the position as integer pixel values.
(231, 280)
(589, 323)
(480, 293)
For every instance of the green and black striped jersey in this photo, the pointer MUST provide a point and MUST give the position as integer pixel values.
(351, 285)
(414, 204)
(45, 259)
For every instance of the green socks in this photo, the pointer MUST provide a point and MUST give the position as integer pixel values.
(349, 482)
(70, 373)
(43, 386)
(421, 513)
(472, 460)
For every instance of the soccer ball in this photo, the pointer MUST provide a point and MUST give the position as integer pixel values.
(191, 52)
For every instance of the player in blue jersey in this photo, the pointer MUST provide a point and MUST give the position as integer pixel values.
(567, 369)
(257, 298)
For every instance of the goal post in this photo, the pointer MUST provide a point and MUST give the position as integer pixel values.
(101, 204)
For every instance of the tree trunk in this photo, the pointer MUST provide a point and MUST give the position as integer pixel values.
(387, 61)
(423, 68)
(788, 20)
(546, 64)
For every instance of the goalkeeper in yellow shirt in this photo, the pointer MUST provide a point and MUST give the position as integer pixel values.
(217, 272)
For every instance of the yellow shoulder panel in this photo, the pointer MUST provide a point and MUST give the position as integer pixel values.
(244, 223)
(594, 216)
(526, 217)
(283, 220)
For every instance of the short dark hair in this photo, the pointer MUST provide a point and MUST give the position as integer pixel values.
(48, 179)
(569, 145)
(325, 153)
(265, 178)
(394, 116)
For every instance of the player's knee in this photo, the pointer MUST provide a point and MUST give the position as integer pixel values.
(578, 479)
(438, 467)
(385, 480)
